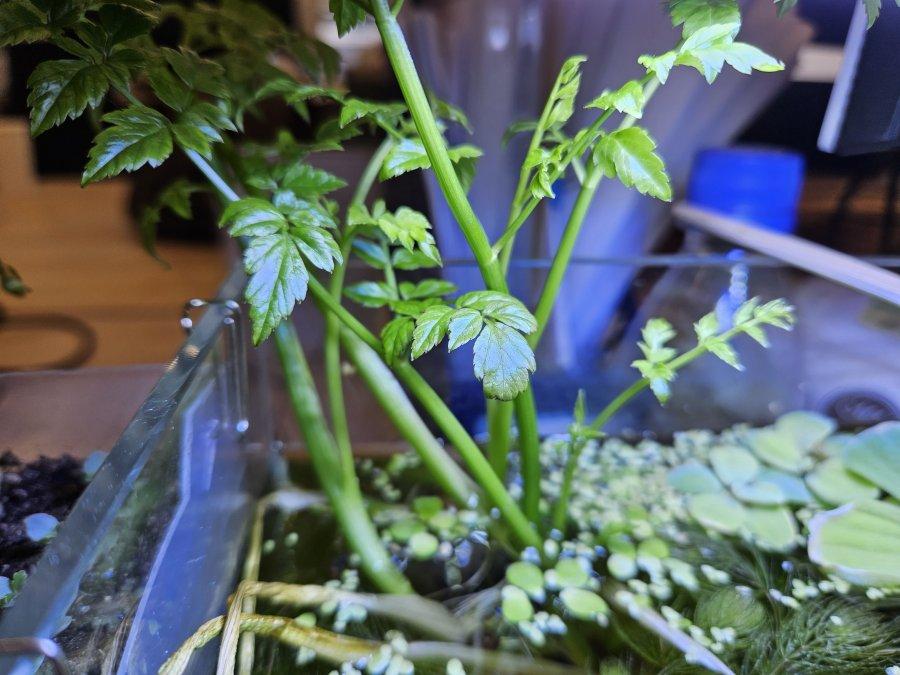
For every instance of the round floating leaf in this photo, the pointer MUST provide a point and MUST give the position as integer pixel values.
(40, 526)
(860, 542)
(569, 572)
(792, 487)
(875, 455)
(428, 506)
(733, 464)
(833, 446)
(528, 577)
(583, 604)
(777, 448)
(808, 429)
(621, 566)
(692, 477)
(834, 485)
(515, 605)
(402, 530)
(720, 512)
(654, 547)
(772, 528)
(759, 492)
(423, 545)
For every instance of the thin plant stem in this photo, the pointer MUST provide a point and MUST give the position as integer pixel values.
(638, 386)
(529, 453)
(479, 467)
(436, 149)
(563, 255)
(332, 348)
(343, 493)
(561, 507)
(499, 423)
(392, 399)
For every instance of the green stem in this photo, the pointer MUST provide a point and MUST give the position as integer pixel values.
(499, 422)
(332, 347)
(433, 140)
(480, 468)
(529, 453)
(561, 507)
(390, 395)
(343, 493)
(637, 387)
(566, 247)
(435, 406)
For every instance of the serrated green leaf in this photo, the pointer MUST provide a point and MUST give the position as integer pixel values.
(501, 307)
(746, 58)
(697, 14)
(382, 114)
(61, 90)
(278, 280)
(516, 128)
(503, 361)
(308, 181)
(404, 156)
(373, 254)
(631, 153)
(19, 22)
(138, 136)
(371, 293)
(431, 327)
(397, 336)
(445, 110)
(628, 99)
(197, 73)
(562, 101)
(428, 288)
(660, 66)
(465, 325)
(405, 227)
(873, 9)
(725, 352)
(177, 198)
(706, 327)
(318, 246)
(347, 15)
(418, 259)
(252, 216)
(168, 88)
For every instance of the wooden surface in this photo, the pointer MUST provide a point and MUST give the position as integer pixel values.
(79, 251)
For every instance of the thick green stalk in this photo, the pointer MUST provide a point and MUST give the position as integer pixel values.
(499, 422)
(530, 454)
(455, 433)
(332, 348)
(433, 140)
(566, 247)
(343, 493)
(389, 394)
(479, 467)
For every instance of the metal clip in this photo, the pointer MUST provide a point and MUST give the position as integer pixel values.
(237, 352)
(40, 646)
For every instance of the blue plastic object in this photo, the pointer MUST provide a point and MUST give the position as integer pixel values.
(762, 185)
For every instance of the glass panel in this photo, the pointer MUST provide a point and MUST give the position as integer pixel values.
(129, 573)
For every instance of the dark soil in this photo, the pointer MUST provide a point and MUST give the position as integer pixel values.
(46, 485)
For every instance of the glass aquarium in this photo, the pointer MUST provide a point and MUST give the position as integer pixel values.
(158, 539)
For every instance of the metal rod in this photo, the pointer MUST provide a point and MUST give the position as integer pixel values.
(820, 260)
